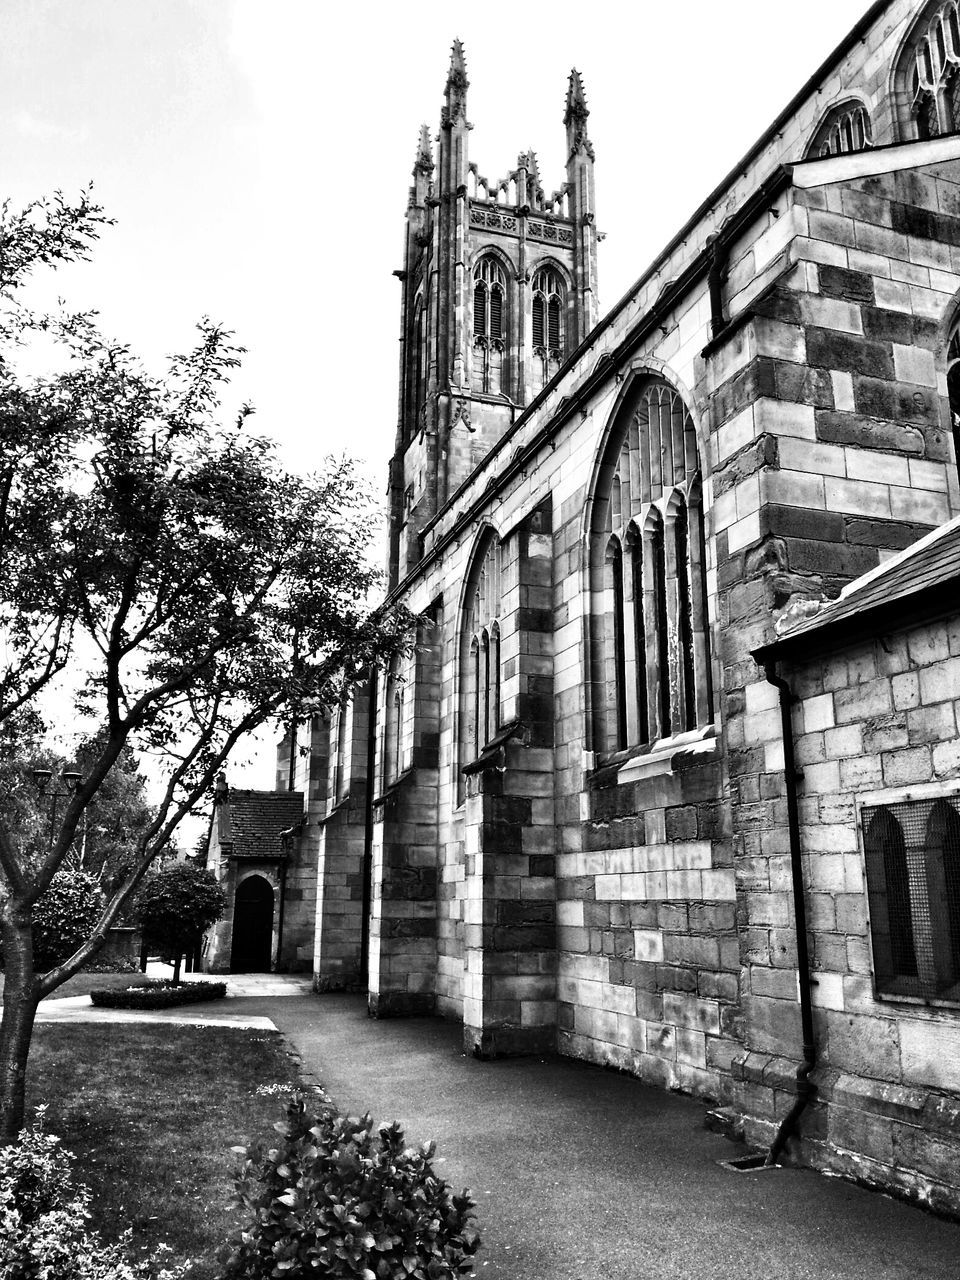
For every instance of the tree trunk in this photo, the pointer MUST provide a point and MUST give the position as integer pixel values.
(176, 967)
(20, 1000)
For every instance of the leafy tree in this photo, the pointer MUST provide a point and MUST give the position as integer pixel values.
(174, 907)
(164, 583)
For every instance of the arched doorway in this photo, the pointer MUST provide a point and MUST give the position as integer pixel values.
(252, 926)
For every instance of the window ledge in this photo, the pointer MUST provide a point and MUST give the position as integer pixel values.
(660, 757)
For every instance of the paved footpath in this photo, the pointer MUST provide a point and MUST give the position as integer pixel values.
(586, 1174)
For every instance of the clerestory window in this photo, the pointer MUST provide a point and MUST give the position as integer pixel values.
(489, 322)
(650, 655)
(846, 128)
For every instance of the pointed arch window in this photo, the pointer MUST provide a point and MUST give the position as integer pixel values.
(548, 306)
(650, 657)
(480, 658)
(912, 862)
(929, 74)
(339, 775)
(953, 386)
(392, 744)
(845, 129)
(489, 321)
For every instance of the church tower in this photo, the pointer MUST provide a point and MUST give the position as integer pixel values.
(499, 288)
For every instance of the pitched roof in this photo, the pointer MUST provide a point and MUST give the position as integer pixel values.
(251, 821)
(920, 583)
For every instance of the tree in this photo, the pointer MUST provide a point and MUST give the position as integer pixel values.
(163, 581)
(174, 907)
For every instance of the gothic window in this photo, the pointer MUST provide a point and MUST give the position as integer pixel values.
(931, 73)
(393, 723)
(339, 777)
(480, 652)
(953, 386)
(912, 861)
(548, 315)
(846, 128)
(419, 360)
(650, 660)
(489, 319)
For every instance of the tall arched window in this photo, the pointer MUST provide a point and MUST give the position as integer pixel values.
(650, 659)
(339, 774)
(930, 73)
(419, 360)
(846, 128)
(942, 866)
(393, 723)
(489, 321)
(891, 919)
(548, 316)
(953, 387)
(480, 652)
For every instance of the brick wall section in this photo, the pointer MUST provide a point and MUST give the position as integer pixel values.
(875, 718)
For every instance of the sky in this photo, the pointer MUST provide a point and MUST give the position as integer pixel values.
(256, 156)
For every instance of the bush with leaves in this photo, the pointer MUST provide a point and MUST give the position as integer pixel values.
(174, 907)
(64, 917)
(334, 1199)
(44, 1232)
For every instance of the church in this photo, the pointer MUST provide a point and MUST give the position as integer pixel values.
(670, 780)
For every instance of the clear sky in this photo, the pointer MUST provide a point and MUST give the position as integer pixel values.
(257, 153)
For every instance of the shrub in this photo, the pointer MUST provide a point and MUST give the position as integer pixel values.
(43, 1218)
(175, 906)
(64, 917)
(158, 995)
(334, 1200)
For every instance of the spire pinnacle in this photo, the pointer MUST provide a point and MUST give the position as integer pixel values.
(424, 159)
(575, 116)
(457, 84)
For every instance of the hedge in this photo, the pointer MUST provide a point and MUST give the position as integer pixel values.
(158, 995)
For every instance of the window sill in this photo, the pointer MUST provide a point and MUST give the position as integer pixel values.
(658, 758)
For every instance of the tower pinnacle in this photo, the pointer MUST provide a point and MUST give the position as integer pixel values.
(424, 159)
(457, 84)
(575, 116)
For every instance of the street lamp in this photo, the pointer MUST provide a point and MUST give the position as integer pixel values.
(71, 780)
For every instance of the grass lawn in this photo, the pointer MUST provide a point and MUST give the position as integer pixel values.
(82, 984)
(151, 1113)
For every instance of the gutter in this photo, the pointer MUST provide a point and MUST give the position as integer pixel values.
(805, 1088)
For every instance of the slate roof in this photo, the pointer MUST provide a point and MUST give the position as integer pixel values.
(920, 583)
(251, 821)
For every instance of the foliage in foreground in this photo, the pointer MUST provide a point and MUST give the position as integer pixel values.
(158, 995)
(333, 1199)
(64, 917)
(44, 1230)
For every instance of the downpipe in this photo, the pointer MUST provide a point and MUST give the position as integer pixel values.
(805, 1087)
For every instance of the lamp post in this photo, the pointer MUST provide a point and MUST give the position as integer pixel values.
(71, 780)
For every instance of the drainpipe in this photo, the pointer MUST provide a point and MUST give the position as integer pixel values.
(805, 1088)
(368, 828)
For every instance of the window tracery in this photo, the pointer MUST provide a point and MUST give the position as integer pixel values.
(489, 317)
(480, 653)
(934, 82)
(650, 661)
(845, 129)
(953, 386)
(548, 315)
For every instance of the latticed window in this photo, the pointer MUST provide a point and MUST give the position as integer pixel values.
(934, 81)
(547, 314)
(650, 659)
(394, 722)
(489, 318)
(480, 652)
(912, 859)
(846, 128)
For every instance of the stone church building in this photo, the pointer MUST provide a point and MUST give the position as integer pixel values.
(671, 780)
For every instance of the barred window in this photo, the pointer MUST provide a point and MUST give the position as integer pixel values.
(480, 652)
(650, 656)
(912, 859)
(931, 72)
(845, 128)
